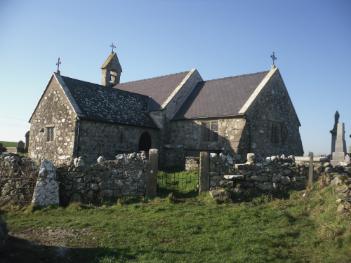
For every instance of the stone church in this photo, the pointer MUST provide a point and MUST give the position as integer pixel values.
(180, 114)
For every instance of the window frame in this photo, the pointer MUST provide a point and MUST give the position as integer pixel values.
(50, 133)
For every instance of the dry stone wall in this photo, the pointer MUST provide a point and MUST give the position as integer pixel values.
(22, 182)
(340, 179)
(104, 181)
(274, 175)
(18, 176)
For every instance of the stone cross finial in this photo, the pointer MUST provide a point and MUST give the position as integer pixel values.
(112, 47)
(58, 65)
(274, 58)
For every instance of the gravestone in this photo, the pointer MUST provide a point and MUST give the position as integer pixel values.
(333, 131)
(46, 191)
(20, 147)
(338, 155)
(27, 141)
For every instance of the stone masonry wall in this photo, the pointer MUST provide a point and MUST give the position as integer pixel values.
(276, 174)
(55, 111)
(273, 106)
(18, 176)
(106, 139)
(232, 137)
(104, 181)
(126, 175)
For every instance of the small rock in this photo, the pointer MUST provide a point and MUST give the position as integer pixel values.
(220, 195)
(266, 186)
(340, 208)
(250, 157)
(100, 159)
(78, 162)
(336, 181)
(233, 176)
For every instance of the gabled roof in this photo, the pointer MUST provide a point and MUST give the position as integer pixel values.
(99, 103)
(220, 97)
(112, 60)
(158, 88)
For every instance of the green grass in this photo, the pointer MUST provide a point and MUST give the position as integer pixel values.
(198, 230)
(182, 184)
(8, 144)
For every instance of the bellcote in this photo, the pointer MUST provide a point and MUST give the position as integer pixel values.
(111, 71)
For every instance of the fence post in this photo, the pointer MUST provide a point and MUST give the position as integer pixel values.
(204, 173)
(310, 171)
(151, 180)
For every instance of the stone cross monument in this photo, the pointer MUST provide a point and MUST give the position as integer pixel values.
(340, 145)
(333, 131)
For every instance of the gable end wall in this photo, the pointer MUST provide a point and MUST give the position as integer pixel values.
(54, 110)
(273, 105)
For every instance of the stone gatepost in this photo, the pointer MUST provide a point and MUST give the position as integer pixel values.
(46, 191)
(151, 179)
(204, 172)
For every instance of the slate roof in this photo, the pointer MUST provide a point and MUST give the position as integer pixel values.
(99, 103)
(158, 88)
(220, 97)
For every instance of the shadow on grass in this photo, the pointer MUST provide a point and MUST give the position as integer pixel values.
(21, 250)
(164, 192)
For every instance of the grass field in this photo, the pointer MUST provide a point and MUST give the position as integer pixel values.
(8, 144)
(298, 229)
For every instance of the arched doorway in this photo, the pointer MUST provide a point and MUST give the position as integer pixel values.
(145, 142)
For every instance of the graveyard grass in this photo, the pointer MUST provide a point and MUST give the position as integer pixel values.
(192, 229)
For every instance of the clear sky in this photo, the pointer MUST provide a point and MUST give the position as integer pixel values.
(312, 40)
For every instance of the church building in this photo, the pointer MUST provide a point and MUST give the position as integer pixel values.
(180, 114)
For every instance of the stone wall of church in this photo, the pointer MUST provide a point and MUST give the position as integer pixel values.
(274, 127)
(53, 111)
(106, 139)
(187, 135)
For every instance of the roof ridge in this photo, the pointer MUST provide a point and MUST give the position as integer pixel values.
(156, 77)
(237, 76)
(83, 81)
(108, 88)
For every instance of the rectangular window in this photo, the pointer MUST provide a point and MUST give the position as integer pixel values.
(49, 134)
(209, 131)
(275, 133)
(279, 133)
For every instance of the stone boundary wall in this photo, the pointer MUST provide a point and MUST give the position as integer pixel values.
(104, 181)
(274, 175)
(340, 179)
(18, 176)
(128, 175)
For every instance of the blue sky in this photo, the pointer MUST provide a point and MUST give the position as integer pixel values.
(312, 40)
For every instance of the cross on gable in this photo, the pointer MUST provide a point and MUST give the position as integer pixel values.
(112, 47)
(58, 65)
(274, 58)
